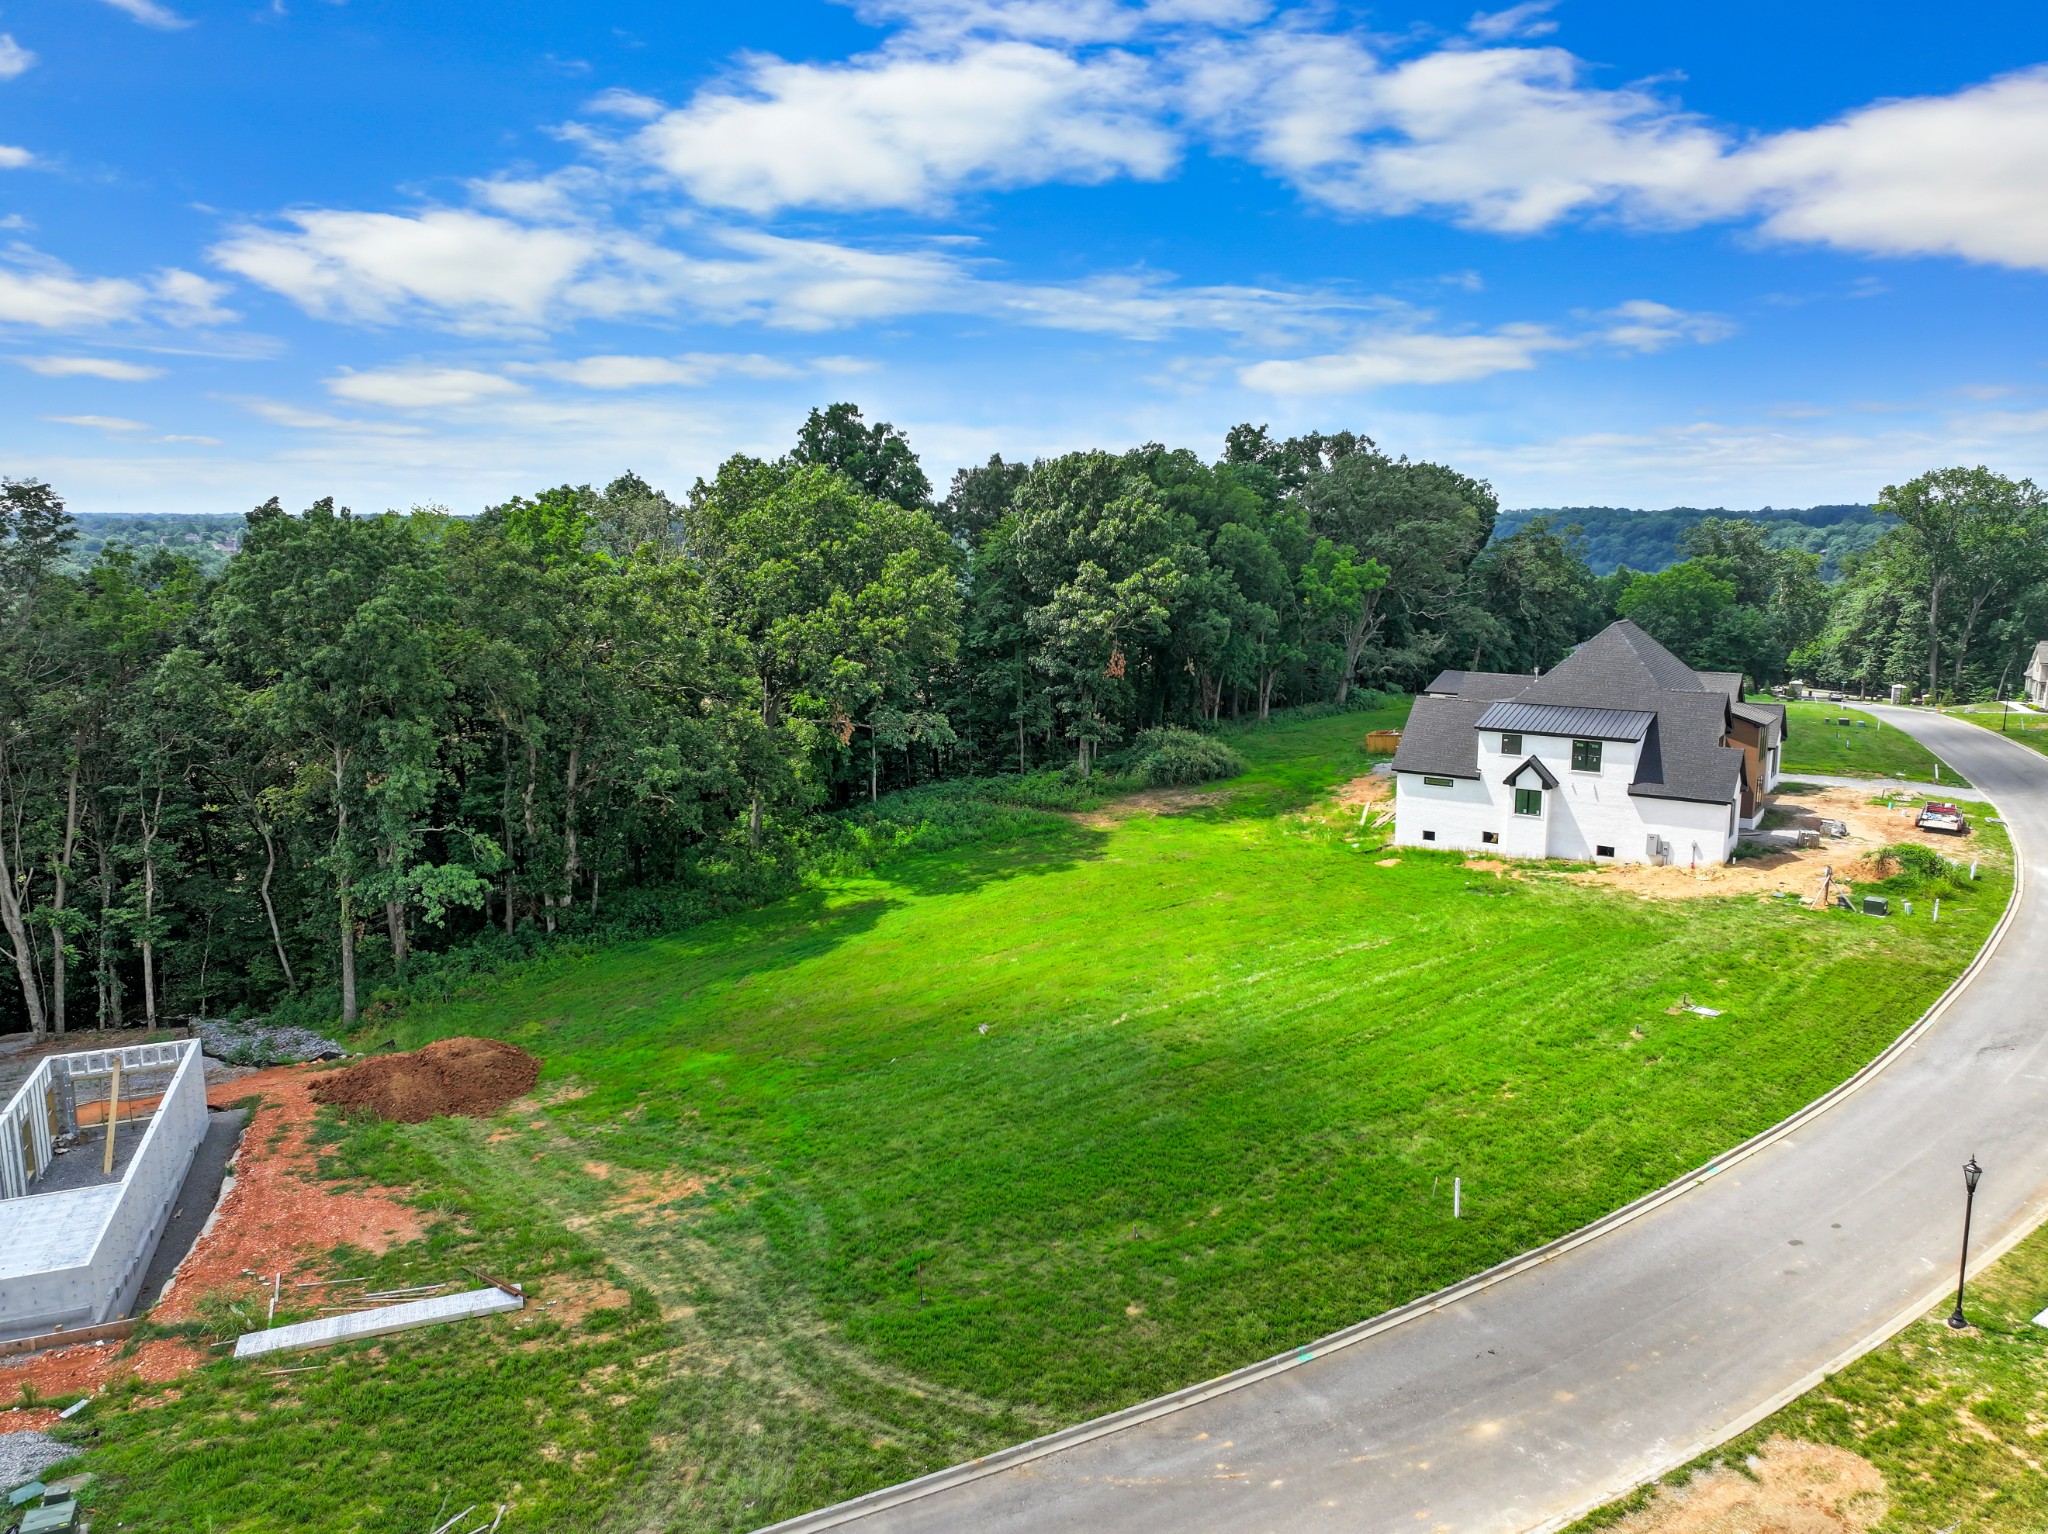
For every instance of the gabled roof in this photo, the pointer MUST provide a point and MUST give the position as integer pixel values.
(1549, 719)
(1491, 685)
(1542, 772)
(1612, 669)
(1619, 685)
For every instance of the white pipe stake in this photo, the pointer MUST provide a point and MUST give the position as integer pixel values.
(1457, 1198)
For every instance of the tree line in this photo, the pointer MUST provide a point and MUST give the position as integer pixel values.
(367, 743)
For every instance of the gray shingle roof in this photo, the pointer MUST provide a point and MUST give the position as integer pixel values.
(1551, 719)
(1493, 685)
(1440, 738)
(1612, 669)
(1621, 674)
(1765, 714)
(1543, 774)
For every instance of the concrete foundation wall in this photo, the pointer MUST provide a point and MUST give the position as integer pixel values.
(78, 1258)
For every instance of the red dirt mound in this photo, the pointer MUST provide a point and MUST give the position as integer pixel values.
(474, 1077)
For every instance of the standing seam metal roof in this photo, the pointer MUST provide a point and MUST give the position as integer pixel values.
(1553, 719)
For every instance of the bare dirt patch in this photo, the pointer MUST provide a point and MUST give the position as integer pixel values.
(1799, 1488)
(1492, 866)
(1372, 788)
(473, 1077)
(569, 1301)
(644, 1197)
(1152, 801)
(1853, 859)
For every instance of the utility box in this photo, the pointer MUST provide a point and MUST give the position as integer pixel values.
(1898, 693)
(1876, 905)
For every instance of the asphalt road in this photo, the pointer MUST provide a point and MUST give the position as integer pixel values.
(1522, 1405)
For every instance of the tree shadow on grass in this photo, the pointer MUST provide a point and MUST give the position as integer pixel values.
(1058, 848)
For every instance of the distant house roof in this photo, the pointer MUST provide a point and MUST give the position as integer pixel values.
(1550, 719)
(1765, 714)
(1492, 685)
(1729, 682)
(1543, 774)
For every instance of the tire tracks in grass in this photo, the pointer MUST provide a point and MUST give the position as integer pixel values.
(765, 1406)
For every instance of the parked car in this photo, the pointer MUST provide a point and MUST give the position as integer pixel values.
(1835, 697)
(1941, 817)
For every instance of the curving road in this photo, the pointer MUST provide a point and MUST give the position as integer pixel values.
(1521, 1404)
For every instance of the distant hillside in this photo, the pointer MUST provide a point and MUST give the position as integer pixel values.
(1648, 540)
(207, 538)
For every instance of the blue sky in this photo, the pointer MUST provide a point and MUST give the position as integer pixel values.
(1597, 253)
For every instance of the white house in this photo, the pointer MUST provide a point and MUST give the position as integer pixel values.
(1622, 752)
(2037, 676)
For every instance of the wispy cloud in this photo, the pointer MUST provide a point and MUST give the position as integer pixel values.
(1411, 355)
(150, 14)
(90, 367)
(15, 60)
(110, 423)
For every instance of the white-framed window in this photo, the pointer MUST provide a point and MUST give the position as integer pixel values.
(1511, 745)
(1528, 801)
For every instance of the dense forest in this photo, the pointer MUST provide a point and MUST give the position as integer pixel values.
(367, 754)
(1650, 540)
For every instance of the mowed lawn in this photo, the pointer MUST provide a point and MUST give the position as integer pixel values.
(1866, 747)
(924, 1162)
(2023, 725)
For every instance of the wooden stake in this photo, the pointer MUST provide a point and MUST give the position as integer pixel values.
(113, 1113)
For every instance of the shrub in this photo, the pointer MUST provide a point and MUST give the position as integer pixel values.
(1168, 756)
(1923, 871)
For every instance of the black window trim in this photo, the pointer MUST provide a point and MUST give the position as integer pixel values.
(1522, 794)
(1439, 782)
(1592, 747)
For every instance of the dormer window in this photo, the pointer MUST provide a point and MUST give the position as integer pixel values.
(1511, 745)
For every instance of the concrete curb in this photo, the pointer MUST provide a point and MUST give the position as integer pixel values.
(1160, 1406)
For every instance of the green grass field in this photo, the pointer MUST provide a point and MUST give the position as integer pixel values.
(991, 1140)
(1865, 748)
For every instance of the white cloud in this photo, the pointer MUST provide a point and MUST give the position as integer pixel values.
(15, 60)
(183, 437)
(1641, 325)
(907, 129)
(477, 272)
(186, 299)
(420, 388)
(470, 268)
(1959, 175)
(98, 422)
(1406, 358)
(619, 102)
(13, 157)
(150, 14)
(691, 370)
(90, 367)
(1529, 19)
(1410, 355)
(56, 300)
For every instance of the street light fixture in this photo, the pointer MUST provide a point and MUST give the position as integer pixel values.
(1971, 1172)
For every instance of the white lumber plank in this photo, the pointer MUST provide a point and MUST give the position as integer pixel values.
(376, 1323)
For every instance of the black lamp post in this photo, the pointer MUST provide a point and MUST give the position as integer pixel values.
(1971, 1172)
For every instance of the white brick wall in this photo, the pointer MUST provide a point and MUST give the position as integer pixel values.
(1586, 811)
